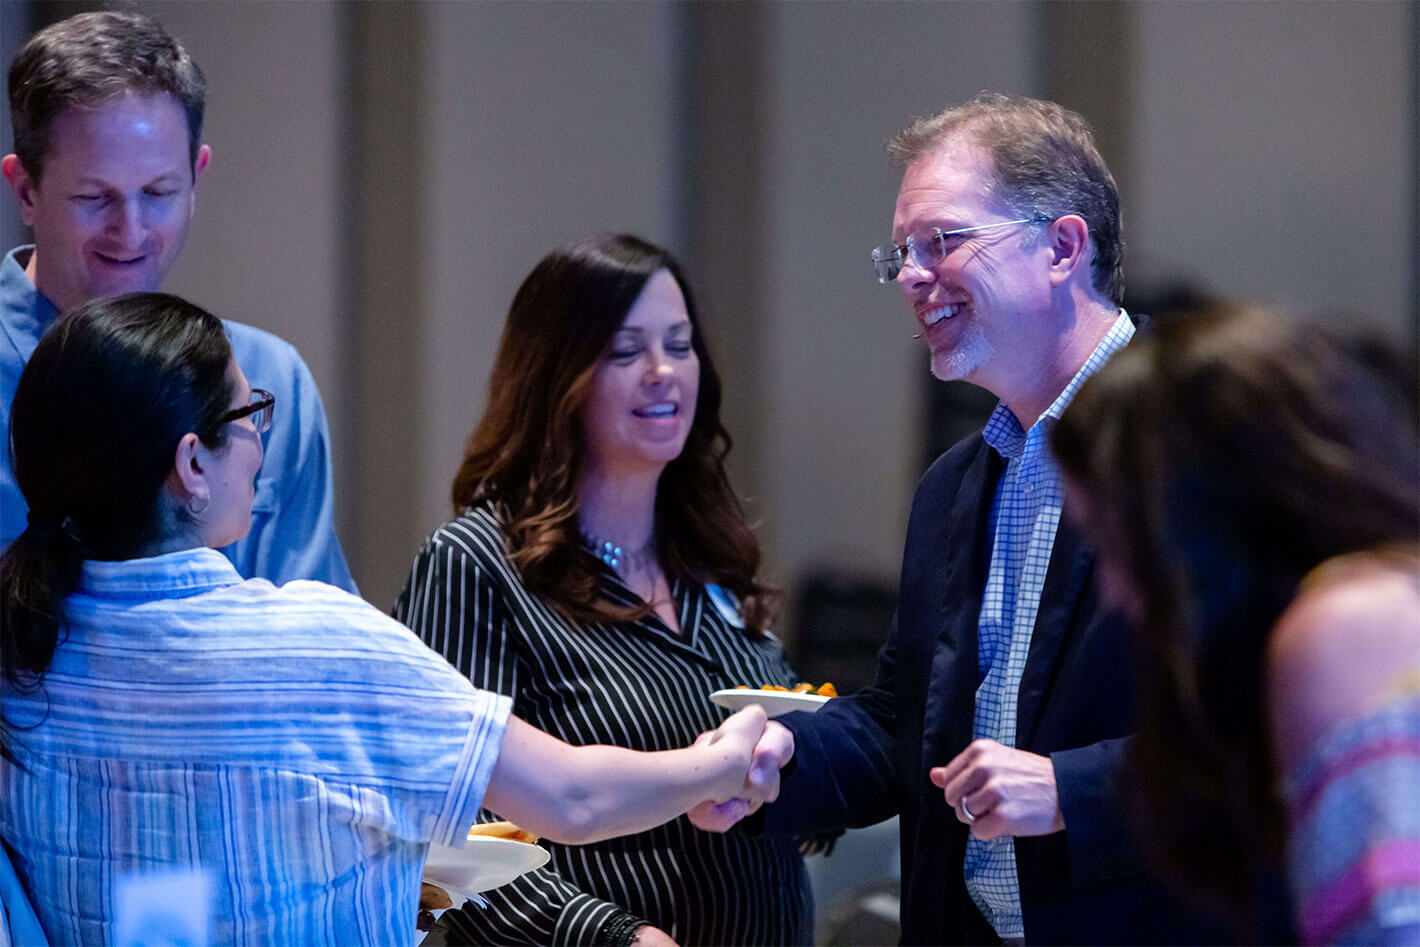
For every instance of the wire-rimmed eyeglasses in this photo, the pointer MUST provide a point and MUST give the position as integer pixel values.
(262, 407)
(927, 248)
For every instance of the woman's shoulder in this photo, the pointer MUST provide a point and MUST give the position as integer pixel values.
(475, 534)
(303, 599)
(1348, 644)
(305, 613)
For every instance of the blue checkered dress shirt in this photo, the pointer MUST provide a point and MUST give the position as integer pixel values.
(1024, 518)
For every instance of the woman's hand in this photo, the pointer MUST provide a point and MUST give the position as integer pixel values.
(774, 749)
(739, 735)
(581, 794)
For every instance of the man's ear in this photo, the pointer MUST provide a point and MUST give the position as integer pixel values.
(1068, 238)
(204, 158)
(23, 184)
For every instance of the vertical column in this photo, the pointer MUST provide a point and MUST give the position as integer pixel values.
(1414, 112)
(387, 301)
(723, 148)
(1087, 55)
(16, 25)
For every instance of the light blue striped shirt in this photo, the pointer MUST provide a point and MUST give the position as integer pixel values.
(1024, 518)
(293, 743)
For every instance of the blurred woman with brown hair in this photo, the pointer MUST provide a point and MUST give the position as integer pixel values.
(601, 573)
(1252, 486)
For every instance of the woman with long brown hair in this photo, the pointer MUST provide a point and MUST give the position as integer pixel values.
(601, 573)
(1252, 486)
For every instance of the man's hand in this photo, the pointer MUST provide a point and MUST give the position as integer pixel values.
(1004, 790)
(774, 749)
(771, 754)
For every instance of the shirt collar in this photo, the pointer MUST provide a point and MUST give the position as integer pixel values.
(1003, 429)
(24, 312)
(170, 575)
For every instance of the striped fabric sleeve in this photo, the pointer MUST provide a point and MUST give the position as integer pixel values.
(474, 769)
(1354, 842)
(457, 607)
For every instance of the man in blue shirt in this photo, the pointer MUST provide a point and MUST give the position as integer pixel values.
(107, 114)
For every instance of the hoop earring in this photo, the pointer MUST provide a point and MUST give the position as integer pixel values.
(192, 506)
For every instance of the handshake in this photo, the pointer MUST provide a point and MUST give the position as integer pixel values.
(760, 748)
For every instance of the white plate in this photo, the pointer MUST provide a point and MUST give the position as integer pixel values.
(480, 863)
(774, 703)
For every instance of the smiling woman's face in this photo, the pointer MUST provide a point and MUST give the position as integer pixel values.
(642, 402)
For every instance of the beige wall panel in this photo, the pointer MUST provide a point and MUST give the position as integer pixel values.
(546, 121)
(844, 390)
(1274, 150)
(264, 248)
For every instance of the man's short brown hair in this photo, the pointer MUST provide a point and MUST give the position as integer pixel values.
(88, 59)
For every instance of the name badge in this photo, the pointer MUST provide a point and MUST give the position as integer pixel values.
(727, 604)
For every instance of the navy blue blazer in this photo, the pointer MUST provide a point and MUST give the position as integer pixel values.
(865, 757)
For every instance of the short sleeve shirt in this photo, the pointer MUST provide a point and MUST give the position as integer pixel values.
(294, 744)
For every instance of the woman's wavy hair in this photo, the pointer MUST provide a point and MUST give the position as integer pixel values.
(98, 412)
(1222, 456)
(526, 453)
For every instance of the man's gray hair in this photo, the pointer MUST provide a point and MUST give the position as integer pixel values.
(1046, 164)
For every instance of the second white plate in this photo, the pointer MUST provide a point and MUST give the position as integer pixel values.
(775, 703)
(480, 864)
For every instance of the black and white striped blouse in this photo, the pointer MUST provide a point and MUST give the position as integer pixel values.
(631, 684)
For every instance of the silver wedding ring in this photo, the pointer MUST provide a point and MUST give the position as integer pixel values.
(965, 811)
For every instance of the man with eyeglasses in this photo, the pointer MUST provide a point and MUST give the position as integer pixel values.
(999, 720)
(107, 115)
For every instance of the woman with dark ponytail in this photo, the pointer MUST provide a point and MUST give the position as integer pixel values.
(97, 450)
(292, 748)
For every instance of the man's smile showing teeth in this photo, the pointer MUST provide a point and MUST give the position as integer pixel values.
(931, 317)
(662, 410)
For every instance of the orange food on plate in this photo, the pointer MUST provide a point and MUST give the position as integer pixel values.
(504, 830)
(825, 689)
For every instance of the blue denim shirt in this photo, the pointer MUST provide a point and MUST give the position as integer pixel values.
(293, 528)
